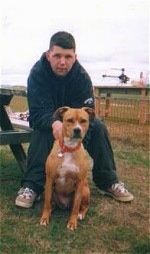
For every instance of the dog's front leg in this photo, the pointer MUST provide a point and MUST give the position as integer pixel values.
(72, 224)
(47, 203)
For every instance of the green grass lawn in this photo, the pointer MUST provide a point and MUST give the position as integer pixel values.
(109, 227)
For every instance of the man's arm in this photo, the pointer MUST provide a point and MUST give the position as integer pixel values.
(41, 105)
(83, 97)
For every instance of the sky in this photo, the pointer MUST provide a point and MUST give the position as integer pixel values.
(106, 31)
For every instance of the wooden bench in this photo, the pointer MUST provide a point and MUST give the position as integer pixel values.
(20, 133)
(14, 137)
(14, 133)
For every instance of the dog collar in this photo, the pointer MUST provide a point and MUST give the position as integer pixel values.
(66, 149)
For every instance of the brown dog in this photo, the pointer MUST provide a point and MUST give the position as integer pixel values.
(67, 166)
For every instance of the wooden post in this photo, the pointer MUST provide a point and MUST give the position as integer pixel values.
(108, 104)
(142, 107)
(97, 101)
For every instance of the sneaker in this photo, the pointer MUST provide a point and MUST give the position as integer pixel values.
(26, 198)
(118, 192)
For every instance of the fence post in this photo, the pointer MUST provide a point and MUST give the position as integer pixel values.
(107, 105)
(97, 101)
(142, 110)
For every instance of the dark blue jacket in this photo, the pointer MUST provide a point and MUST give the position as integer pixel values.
(46, 92)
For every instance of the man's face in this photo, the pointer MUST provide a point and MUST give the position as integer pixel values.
(61, 60)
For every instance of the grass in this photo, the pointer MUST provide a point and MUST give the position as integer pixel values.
(110, 227)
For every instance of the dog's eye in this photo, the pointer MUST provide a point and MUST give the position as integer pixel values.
(70, 120)
(83, 121)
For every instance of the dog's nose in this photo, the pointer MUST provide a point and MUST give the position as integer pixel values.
(77, 132)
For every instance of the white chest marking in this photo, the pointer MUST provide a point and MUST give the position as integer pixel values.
(67, 166)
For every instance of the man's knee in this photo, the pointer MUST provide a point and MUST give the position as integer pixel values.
(98, 125)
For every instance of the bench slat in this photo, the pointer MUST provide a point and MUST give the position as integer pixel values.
(20, 124)
(14, 137)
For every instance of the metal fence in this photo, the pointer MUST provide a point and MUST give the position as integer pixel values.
(123, 117)
(127, 119)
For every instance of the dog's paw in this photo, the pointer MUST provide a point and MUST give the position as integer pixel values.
(72, 224)
(81, 216)
(44, 221)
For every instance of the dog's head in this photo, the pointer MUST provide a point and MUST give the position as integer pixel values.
(75, 121)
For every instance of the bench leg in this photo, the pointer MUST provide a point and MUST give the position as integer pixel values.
(17, 149)
(20, 156)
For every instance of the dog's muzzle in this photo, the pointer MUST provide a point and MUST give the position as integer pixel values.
(77, 133)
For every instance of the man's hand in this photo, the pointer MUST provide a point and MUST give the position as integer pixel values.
(57, 129)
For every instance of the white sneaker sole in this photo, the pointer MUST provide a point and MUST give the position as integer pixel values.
(22, 204)
(123, 199)
(26, 205)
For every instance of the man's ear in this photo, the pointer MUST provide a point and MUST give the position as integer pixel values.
(47, 55)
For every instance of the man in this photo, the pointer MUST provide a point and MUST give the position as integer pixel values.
(57, 80)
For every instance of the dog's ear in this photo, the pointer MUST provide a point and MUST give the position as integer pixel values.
(90, 111)
(61, 111)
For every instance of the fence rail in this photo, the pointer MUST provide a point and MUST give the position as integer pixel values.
(123, 118)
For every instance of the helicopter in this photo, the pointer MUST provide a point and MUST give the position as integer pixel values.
(123, 78)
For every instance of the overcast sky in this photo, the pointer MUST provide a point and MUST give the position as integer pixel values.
(103, 29)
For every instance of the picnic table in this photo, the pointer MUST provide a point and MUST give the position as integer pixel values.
(13, 132)
(125, 90)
